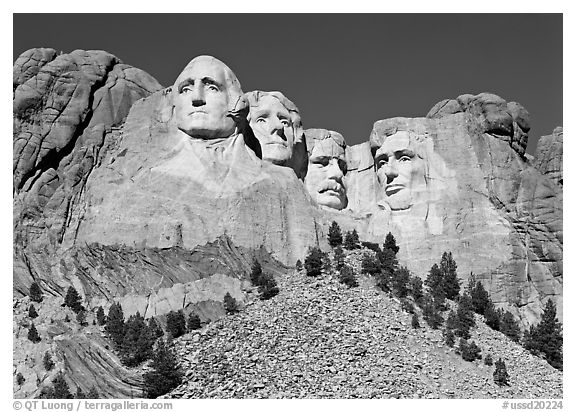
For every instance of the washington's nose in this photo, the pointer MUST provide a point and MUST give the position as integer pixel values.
(198, 96)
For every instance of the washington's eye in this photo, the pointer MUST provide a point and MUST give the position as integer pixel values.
(186, 89)
(213, 87)
(260, 120)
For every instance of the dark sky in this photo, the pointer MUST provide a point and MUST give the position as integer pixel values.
(343, 71)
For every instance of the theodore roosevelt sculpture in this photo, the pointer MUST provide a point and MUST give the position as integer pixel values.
(277, 125)
(326, 168)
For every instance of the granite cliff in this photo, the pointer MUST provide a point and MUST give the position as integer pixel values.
(112, 194)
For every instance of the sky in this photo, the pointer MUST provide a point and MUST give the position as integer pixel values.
(343, 71)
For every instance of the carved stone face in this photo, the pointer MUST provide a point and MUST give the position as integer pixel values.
(272, 125)
(326, 170)
(400, 171)
(201, 100)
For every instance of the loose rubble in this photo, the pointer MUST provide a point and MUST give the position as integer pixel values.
(319, 339)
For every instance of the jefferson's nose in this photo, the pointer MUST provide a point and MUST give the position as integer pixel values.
(276, 126)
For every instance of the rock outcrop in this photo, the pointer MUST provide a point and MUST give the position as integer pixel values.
(548, 158)
(115, 197)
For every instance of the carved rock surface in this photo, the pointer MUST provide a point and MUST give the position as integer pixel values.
(548, 157)
(159, 188)
(500, 217)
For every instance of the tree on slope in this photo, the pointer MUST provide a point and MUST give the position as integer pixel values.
(334, 235)
(165, 374)
(546, 338)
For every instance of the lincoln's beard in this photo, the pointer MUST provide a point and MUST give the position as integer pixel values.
(401, 200)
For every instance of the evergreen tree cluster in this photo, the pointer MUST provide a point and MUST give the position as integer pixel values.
(35, 293)
(230, 304)
(73, 300)
(497, 319)
(134, 338)
(545, 338)
(267, 286)
(165, 374)
(442, 281)
(59, 389)
(175, 324)
(347, 276)
(351, 240)
(314, 262)
(469, 351)
(335, 235)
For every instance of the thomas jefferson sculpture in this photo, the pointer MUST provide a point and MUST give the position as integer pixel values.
(277, 125)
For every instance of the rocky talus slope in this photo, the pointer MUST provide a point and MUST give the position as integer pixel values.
(319, 339)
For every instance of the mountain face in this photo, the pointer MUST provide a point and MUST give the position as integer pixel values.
(112, 197)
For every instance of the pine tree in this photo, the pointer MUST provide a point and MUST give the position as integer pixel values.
(32, 314)
(347, 276)
(430, 313)
(81, 318)
(33, 335)
(79, 393)
(47, 361)
(470, 352)
(155, 327)
(480, 297)
(35, 293)
(416, 289)
(230, 304)
(501, 376)
(61, 390)
(334, 235)
(93, 394)
(256, 272)
(351, 240)
(100, 317)
(415, 321)
(194, 321)
(138, 341)
(165, 374)
(370, 265)
(338, 257)
(488, 360)
(268, 287)
(464, 316)
(434, 281)
(115, 324)
(313, 262)
(492, 317)
(299, 265)
(449, 337)
(509, 326)
(400, 282)
(390, 243)
(20, 379)
(452, 320)
(450, 281)
(176, 323)
(546, 338)
(73, 300)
